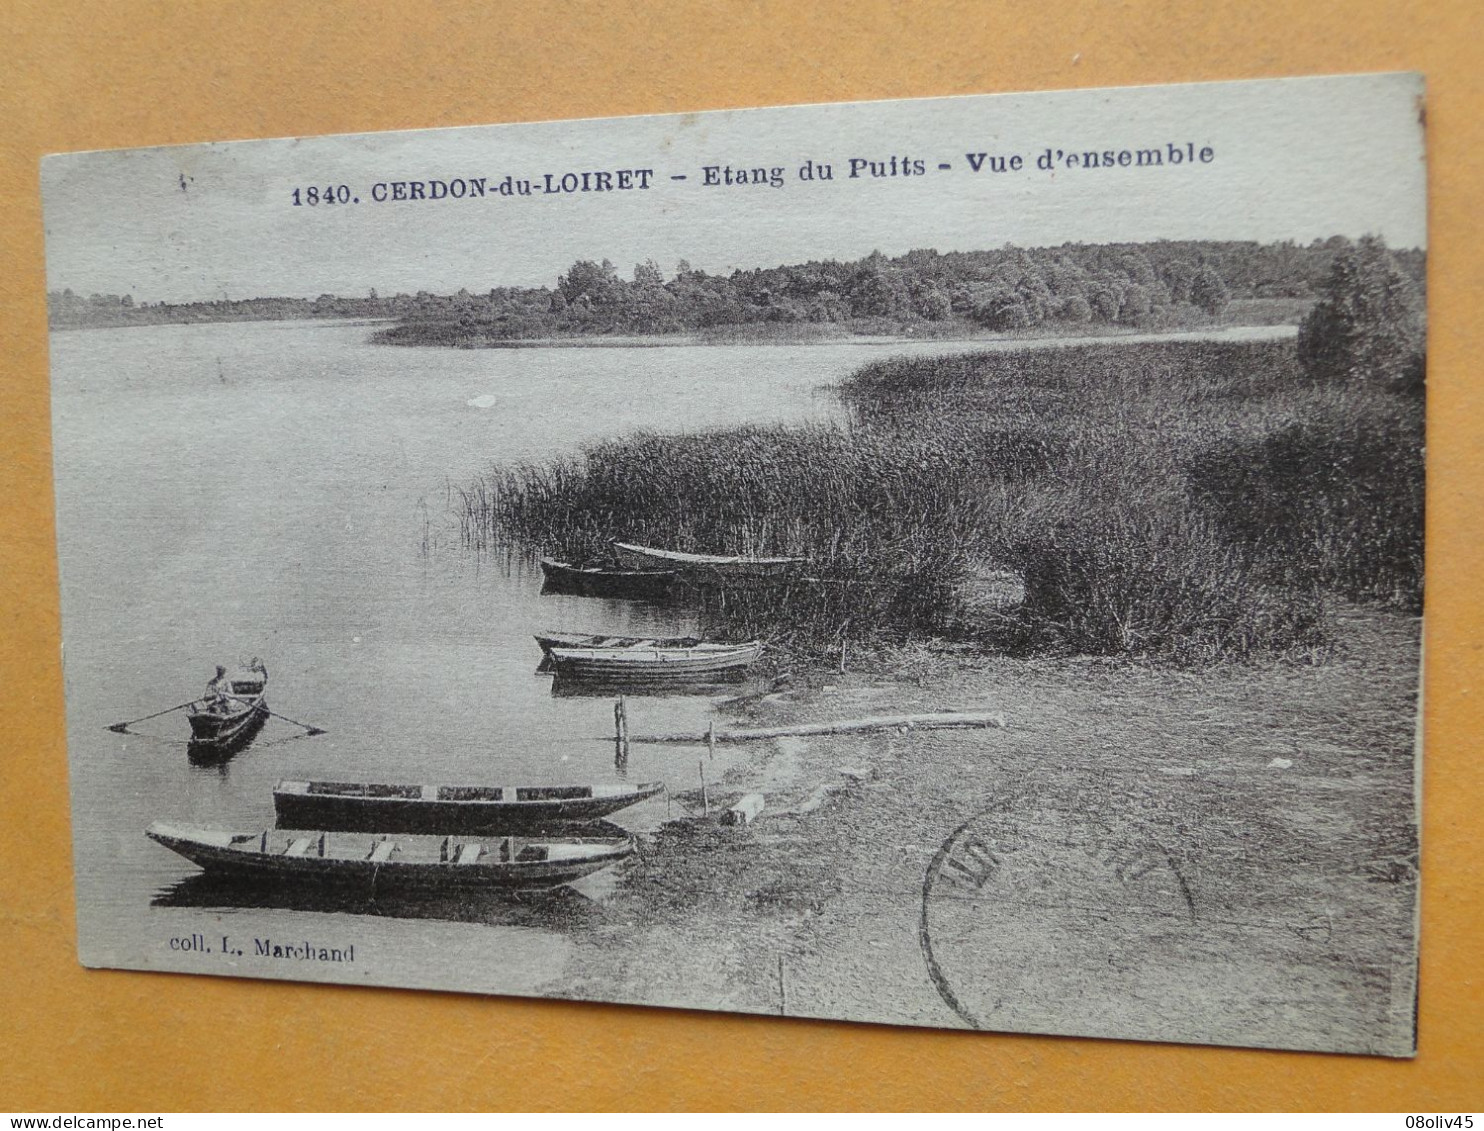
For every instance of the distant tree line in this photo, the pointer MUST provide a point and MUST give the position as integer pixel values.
(1152, 285)
(68, 310)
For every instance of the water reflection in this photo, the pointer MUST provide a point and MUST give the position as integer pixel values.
(218, 759)
(564, 908)
(569, 687)
(321, 546)
(641, 588)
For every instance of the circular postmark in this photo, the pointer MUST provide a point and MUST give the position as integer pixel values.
(1039, 916)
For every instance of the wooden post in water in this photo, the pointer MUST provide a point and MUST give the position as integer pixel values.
(705, 797)
(617, 733)
(782, 990)
(620, 735)
(711, 740)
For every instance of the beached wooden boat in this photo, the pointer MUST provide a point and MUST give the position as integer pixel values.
(358, 859)
(469, 809)
(223, 725)
(550, 640)
(596, 581)
(639, 664)
(716, 566)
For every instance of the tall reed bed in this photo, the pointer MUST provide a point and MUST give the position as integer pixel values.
(1183, 501)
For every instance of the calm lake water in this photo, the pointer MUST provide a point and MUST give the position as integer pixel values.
(281, 490)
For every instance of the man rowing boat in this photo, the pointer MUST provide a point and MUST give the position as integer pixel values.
(219, 692)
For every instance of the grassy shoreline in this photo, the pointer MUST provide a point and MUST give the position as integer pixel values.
(1239, 314)
(1191, 501)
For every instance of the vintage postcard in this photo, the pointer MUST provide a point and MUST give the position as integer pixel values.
(951, 562)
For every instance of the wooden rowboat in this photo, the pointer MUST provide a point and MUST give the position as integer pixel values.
(550, 640)
(428, 862)
(224, 726)
(470, 809)
(595, 581)
(718, 566)
(653, 664)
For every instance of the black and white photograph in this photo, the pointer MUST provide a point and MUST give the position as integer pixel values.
(949, 562)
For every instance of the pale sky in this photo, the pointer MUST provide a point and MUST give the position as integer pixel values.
(1295, 159)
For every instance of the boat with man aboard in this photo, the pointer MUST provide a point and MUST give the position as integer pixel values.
(235, 706)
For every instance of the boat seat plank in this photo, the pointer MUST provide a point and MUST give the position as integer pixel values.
(299, 847)
(383, 851)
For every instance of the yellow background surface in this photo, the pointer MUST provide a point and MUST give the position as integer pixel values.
(76, 76)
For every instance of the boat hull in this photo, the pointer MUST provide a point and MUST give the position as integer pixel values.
(216, 733)
(441, 809)
(654, 665)
(420, 864)
(643, 584)
(551, 640)
(214, 736)
(705, 566)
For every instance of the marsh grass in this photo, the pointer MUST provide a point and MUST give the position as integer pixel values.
(1189, 502)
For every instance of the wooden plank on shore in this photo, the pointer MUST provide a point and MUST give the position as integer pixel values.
(844, 726)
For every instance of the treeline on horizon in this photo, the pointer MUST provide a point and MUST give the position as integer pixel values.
(1148, 285)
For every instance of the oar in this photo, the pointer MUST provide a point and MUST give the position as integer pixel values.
(123, 728)
(307, 728)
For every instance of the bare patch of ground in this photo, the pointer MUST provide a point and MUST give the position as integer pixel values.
(1282, 795)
